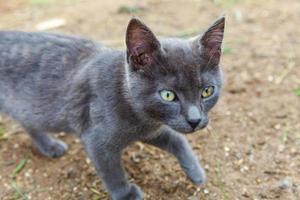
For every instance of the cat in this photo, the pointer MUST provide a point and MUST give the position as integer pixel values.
(154, 92)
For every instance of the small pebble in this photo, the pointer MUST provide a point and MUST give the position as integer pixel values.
(206, 191)
(71, 173)
(281, 148)
(277, 126)
(227, 113)
(250, 114)
(270, 78)
(239, 162)
(294, 150)
(244, 168)
(285, 184)
(238, 155)
(62, 134)
(27, 174)
(193, 198)
(227, 149)
(258, 180)
(245, 193)
(77, 140)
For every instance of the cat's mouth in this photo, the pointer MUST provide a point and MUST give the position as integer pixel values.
(189, 130)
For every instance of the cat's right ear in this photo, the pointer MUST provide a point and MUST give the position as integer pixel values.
(211, 41)
(141, 44)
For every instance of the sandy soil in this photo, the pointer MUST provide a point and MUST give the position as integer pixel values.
(251, 149)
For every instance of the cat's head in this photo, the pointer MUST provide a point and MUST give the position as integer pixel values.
(174, 81)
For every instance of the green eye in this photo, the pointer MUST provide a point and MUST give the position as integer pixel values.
(167, 95)
(207, 91)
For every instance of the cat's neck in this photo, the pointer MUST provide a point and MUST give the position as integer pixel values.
(129, 104)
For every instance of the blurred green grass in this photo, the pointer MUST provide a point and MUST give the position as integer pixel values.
(41, 2)
(2, 132)
(297, 91)
(50, 2)
(228, 2)
(130, 9)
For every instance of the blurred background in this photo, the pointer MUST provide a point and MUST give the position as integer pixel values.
(251, 150)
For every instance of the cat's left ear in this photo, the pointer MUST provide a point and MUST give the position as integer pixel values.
(211, 42)
(141, 44)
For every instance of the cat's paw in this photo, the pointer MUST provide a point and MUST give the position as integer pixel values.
(196, 174)
(133, 192)
(53, 149)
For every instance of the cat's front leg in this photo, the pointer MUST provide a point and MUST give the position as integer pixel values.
(178, 145)
(106, 157)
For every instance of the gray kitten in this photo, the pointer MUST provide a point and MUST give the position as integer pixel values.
(152, 92)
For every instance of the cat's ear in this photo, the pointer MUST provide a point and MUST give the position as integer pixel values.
(141, 44)
(211, 42)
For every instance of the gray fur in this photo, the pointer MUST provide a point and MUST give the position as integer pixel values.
(110, 98)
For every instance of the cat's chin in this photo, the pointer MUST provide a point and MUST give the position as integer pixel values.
(185, 131)
(188, 131)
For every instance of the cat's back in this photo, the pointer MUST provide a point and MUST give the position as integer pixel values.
(30, 57)
(22, 48)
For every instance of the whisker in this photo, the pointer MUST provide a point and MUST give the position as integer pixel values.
(210, 131)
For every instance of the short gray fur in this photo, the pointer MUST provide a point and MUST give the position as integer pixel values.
(109, 98)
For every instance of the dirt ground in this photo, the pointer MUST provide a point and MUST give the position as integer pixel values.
(251, 150)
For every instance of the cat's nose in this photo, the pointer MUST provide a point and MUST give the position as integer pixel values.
(193, 117)
(194, 122)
